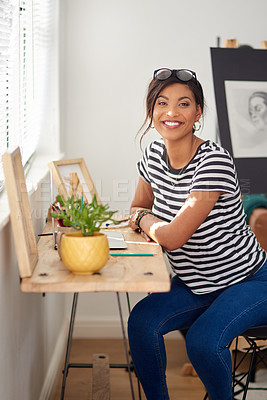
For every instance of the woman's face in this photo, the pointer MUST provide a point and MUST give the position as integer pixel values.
(258, 112)
(175, 112)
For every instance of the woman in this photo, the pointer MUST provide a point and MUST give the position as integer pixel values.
(188, 200)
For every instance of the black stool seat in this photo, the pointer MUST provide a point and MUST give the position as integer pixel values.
(259, 332)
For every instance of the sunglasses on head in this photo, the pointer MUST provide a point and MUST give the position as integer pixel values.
(184, 75)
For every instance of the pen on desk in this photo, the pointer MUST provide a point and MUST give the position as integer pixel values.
(132, 254)
(45, 234)
(119, 221)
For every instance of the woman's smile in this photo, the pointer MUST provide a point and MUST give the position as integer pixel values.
(171, 124)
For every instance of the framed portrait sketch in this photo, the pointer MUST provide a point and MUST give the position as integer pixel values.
(240, 85)
(72, 178)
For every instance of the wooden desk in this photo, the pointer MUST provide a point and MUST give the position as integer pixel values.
(120, 274)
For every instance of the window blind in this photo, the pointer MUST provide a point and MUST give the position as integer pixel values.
(9, 24)
(26, 65)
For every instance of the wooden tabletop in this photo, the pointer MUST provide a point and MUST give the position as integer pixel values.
(120, 274)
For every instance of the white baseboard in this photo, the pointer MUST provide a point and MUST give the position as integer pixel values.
(94, 329)
(55, 364)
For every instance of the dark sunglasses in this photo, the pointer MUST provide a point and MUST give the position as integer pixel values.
(184, 75)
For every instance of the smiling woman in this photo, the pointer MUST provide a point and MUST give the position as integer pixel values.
(188, 200)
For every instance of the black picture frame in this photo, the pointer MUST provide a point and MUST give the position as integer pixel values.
(242, 64)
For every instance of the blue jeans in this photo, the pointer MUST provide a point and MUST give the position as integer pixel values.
(213, 320)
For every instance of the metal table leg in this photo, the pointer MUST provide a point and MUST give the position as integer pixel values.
(125, 346)
(71, 326)
(138, 382)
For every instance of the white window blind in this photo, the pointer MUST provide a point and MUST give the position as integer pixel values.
(26, 66)
(9, 56)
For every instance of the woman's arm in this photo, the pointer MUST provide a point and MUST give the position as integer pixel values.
(143, 197)
(176, 233)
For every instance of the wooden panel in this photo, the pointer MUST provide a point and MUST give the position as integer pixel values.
(120, 274)
(20, 212)
(101, 385)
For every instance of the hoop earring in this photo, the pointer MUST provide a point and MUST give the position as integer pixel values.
(197, 127)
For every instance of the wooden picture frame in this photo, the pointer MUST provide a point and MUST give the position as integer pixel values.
(238, 73)
(20, 212)
(71, 177)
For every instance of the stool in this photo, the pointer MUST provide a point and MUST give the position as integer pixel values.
(254, 341)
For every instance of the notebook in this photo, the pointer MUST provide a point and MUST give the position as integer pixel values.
(116, 240)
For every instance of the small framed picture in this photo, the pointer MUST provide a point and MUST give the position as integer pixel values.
(72, 178)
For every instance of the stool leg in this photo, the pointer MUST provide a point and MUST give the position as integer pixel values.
(249, 371)
(253, 369)
(67, 357)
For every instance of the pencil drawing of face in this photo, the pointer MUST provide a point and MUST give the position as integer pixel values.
(258, 110)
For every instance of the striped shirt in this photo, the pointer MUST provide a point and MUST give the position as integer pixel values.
(223, 250)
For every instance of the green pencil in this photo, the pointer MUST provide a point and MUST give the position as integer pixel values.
(132, 254)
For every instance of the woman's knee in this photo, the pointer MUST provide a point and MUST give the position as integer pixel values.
(144, 320)
(134, 321)
(138, 322)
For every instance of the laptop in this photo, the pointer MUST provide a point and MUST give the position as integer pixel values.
(116, 240)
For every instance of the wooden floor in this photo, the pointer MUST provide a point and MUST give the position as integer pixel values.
(79, 381)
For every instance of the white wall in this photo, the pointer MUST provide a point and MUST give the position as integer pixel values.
(33, 328)
(109, 49)
(16, 326)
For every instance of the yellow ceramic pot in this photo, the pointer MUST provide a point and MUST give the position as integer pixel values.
(84, 254)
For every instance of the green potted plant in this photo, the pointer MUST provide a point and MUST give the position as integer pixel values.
(84, 250)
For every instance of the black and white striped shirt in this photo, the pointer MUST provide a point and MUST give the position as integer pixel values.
(223, 250)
